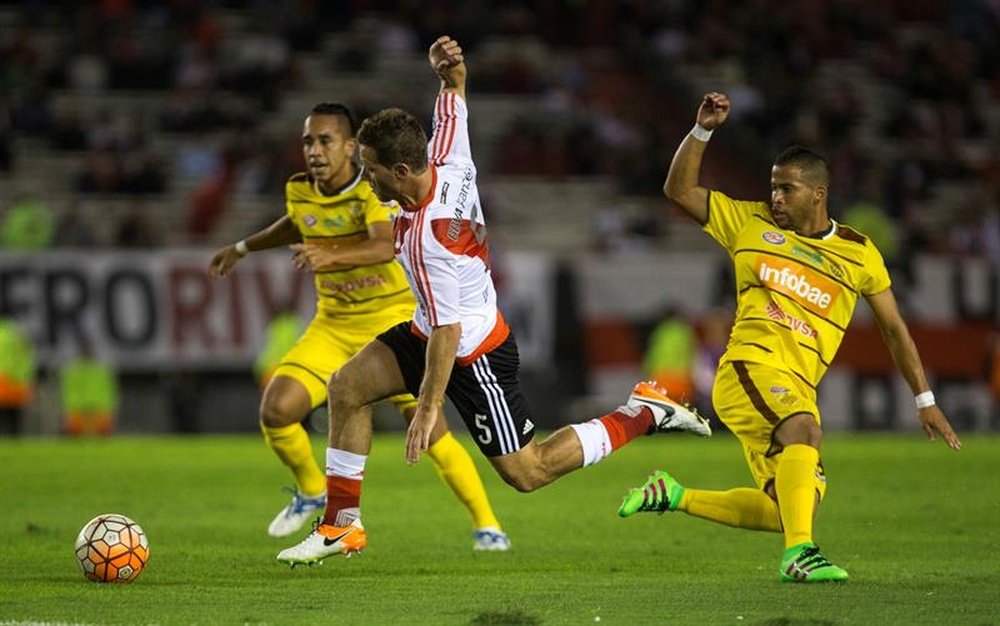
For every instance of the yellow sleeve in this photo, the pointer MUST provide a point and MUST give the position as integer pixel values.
(294, 188)
(876, 278)
(727, 217)
(378, 211)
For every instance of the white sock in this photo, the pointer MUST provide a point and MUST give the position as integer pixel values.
(594, 441)
(345, 464)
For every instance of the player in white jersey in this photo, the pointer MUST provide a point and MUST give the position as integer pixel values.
(458, 342)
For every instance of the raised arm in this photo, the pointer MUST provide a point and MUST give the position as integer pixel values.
(682, 185)
(445, 56)
(907, 359)
(281, 233)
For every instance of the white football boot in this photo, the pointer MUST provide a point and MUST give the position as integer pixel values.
(490, 539)
(326, 540)
(294, 516)
(668, 414)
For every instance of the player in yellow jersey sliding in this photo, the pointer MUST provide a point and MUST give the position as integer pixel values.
(362, 293)
(798, 277)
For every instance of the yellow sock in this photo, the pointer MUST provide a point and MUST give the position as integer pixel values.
(291, 444)
(795, 484)
(742, 508)
(455, 467)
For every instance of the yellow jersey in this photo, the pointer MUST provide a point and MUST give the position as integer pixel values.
(795, 294)
(345, 218)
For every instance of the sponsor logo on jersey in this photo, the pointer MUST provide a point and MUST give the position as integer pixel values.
(455, 225)
(810, 255)
(813, 290)
(353, 284)
(309, 220)
(772, 237)
(802, 327)
(784, 395)
(818, 259)
(528, 425)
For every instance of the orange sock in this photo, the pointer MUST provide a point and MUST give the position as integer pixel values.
(623, 428)
(341, 493)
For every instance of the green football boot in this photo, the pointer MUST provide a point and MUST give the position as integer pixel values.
(804, 563)
(660, 493)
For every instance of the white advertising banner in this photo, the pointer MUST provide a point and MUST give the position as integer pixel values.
(149, 309)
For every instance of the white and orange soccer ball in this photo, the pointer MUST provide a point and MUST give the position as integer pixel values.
(111, 548)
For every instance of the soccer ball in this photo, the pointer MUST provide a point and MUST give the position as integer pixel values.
(111, 548)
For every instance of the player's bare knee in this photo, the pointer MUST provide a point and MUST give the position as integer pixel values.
(340, 393)
(525, 482)
(274, 413)
(799, 429)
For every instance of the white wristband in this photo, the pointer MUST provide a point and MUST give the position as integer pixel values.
(924, 400)
(701, 133)
(241, 247)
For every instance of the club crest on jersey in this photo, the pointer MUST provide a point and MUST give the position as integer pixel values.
(357, 211)
(773, 238)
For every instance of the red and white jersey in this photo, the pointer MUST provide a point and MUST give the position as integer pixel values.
(442, 244)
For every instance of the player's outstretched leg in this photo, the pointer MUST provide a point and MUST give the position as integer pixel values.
(326, 540)
(804, 563)
(668, 414)
(660, 493)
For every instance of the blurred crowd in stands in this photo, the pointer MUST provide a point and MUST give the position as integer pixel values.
(903, 96)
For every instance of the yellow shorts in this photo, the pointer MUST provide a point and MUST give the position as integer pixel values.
(328, 343)
(752, 399)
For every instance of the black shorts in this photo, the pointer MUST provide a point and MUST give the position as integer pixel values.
(486, 393)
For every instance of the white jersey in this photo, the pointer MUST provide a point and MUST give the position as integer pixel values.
(442, 244)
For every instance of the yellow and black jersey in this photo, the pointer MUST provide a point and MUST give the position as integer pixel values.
(795, 294)
(345, 218)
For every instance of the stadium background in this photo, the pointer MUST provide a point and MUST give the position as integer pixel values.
(152, 133)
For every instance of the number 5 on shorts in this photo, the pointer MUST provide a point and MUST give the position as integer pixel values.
(486, 435)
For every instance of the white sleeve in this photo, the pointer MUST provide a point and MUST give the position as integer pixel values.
(450, 140)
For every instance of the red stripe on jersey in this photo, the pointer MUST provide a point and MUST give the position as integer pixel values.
(445, 133)
(452, 115)
(458, 237)
(492, 341)
(440, 119)
(413, 226)
(420, 270)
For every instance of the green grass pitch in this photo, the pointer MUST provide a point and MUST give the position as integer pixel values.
(916, 525)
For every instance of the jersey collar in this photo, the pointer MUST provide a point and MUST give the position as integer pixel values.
(826, 234)
(430, 194)
(349, 185)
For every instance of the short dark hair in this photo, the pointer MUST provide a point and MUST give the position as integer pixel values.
(336, 108)
(397, 137)
(813, 165)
